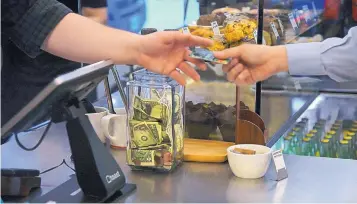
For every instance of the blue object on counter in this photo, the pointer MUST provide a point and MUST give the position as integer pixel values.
(129, 15)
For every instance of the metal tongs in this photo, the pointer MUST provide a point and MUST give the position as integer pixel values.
(121, 91)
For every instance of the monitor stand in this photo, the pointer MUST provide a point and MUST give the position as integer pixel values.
(98, 176)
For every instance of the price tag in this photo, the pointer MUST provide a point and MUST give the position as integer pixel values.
(305, 8)
(215, 28)
(297, 15)
(292, 21)
(314, 9)
(279, 164)
(228, 15)
(275, 31)
(185, 30)
(281, 25)
(255, 33)
(278, 160)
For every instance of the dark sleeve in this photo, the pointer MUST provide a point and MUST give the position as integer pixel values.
(27, 23)
(94, 3)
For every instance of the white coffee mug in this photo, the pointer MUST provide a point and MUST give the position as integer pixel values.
(115, 128)
(95, 120)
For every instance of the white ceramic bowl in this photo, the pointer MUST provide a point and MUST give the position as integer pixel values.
(249, 166)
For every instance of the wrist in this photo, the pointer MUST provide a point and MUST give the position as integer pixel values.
(281, 58)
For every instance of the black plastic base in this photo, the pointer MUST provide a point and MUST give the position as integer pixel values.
(70, 192)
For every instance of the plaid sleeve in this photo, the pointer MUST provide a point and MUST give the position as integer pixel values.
(32, 28)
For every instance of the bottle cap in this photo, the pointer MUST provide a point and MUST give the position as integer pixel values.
(353, 129)
(291, 134)
(343, 142)
(331, 132)
(313, 131)
(310, 135)
(328, 136)
(306, 139)
(338, 122)
(325, 140)
(351, 134)
(288, 138)
(347, 138)
(146, 31)
(354, 126)
(296, 129)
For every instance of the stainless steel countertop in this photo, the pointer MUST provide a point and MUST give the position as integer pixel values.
(310, 179)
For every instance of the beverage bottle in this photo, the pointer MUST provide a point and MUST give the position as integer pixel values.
(325, 150)
(344, 149)
(287, 144)
(306, 146)
(351, 152)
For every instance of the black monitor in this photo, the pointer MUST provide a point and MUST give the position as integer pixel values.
(62, 100)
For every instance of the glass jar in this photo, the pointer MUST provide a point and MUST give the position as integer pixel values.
(155, 122)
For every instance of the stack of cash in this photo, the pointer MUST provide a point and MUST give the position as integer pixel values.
(156, 131)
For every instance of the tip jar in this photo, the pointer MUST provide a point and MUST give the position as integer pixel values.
(155, 122)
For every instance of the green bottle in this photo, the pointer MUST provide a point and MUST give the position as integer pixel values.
(351, 153)
(287, 144)
(325, 150)
(306, 146)
(343, 150)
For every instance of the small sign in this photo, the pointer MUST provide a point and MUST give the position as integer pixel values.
(305, 8)
(215, 28)
(185, 30)
(275, 31)
(281, 25)
(279, 163)
(292, 21)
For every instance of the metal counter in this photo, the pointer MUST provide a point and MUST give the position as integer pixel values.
(310, 179)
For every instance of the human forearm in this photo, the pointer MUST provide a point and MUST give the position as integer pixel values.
(73, 38)
(97, 14)
(334, 57)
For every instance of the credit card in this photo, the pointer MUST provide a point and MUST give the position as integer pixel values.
(207, 56)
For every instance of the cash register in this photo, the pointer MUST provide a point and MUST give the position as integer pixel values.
(98, 177)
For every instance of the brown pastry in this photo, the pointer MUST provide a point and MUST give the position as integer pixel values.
(205, 20)
(243, 151)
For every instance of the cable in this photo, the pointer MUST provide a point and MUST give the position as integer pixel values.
(39, 142)
(55, 167)
(36, 127)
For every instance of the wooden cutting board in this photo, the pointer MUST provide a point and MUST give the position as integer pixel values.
(205, 150)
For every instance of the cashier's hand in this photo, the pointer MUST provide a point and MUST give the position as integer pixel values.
(163, 52)
(253, 63)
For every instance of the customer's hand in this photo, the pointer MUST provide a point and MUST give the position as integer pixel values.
(253, 63)
(163, 52)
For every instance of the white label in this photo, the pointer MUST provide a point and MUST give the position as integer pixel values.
(185, 30)
(278, 160)
(275, 31)
(245, 9)
(255, 33)
(111, 178)
(297, 15)
(292, 21)
(281, 25)
(314, 9)
(215, 28)
(228, 15)
(305, 8)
